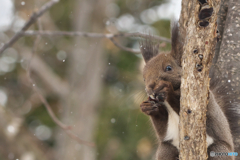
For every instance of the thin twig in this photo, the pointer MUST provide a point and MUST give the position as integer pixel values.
(49, 110)
(32, 20)
(59, 123)
(124, 48)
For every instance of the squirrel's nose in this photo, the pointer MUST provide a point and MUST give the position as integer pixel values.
(150, 88)
(152, 85)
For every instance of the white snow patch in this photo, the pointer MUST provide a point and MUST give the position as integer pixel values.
(6, 14)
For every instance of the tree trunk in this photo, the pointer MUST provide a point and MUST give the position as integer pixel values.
(200, 40)
(229, 57)
(85, 69)
(222, 15)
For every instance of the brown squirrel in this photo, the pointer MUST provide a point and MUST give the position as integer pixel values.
(162, 76)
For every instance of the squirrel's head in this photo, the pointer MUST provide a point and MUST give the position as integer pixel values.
(162, 67)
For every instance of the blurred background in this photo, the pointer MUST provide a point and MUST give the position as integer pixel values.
(91, 85)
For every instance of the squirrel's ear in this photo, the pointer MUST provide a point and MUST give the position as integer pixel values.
(148, 49)
(177, 44)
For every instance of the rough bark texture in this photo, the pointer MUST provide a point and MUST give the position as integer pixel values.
(195, 79)
(183, 21)
(222, 15)
(229, 57)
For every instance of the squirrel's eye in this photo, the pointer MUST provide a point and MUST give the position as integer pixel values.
(168, 68)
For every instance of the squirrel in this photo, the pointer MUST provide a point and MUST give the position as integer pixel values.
(162, 76)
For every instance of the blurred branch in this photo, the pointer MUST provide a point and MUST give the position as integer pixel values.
(49, 110)
(32, 20)
(57, 121)
(97, 35)
(48, 5)
(87, 34)
(93, 35)
(66, 128)
(53, 81)
(124, 48)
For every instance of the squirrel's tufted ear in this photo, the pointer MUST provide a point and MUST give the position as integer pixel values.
(177, 44)
(148, 48)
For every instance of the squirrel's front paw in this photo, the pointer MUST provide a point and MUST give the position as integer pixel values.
(150, 107)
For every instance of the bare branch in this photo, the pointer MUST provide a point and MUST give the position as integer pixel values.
(49, 110)
(53, 116)
(93, 35)
(32, 20)
(97, 35)
(45, 72)
(48, 5)
(66, 128)
(58, 122)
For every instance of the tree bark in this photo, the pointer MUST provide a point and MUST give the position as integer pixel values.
(222, 15)
(229, 58)
(198, 53)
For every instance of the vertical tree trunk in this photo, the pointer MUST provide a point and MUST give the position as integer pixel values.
(222, 15)
(198, 53)
(86, 67)
(229, 58)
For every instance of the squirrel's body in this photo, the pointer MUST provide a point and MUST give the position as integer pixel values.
(162, 76)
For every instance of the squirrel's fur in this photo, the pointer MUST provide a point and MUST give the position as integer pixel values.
(162, 76)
